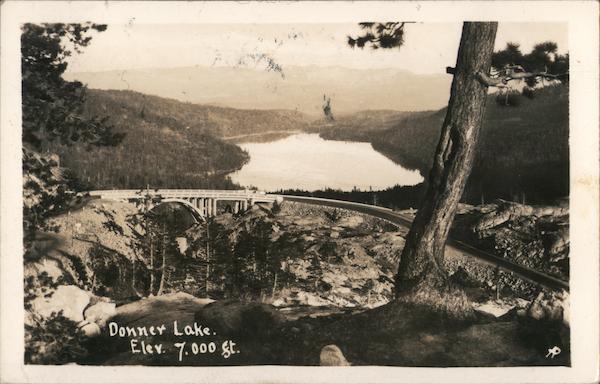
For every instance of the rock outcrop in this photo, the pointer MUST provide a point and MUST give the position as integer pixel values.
(551, 306)
(100, 312)
(73, 303)
(234, 318)
(331, 355)
(69, 299)
(533, 236)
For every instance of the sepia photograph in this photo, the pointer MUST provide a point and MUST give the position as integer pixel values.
(376, 189)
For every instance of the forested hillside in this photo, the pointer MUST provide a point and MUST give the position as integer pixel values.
(524, 151)
(360, 126)
(219, 121)
(168, 143)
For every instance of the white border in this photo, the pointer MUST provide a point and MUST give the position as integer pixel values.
(582, 17)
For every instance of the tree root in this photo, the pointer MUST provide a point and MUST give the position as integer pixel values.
(450, 300)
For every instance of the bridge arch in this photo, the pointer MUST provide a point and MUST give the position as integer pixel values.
(196, 214)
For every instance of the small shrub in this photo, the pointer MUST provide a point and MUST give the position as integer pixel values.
(38, 286)
(113, 227)
(529, 92)
(335, 215)
(112, 273)
(54, 340)
(276, 208)
(79, 269)
(328, 249)
(324, 286)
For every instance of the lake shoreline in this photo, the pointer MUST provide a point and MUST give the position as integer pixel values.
(307, 161)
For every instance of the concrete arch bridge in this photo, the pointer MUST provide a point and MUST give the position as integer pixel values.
(202, 203)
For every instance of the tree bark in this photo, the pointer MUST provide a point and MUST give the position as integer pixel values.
(274, 286)
(151, 267)
(421, 275)
(161, 286)
(134, 280)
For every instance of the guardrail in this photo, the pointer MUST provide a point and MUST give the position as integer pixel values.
(399, 219)
(183, 193)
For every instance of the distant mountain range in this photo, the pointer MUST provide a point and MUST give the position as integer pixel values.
(295, 88)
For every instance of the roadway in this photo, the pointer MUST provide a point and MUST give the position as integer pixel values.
(395, 218)
(402, 220)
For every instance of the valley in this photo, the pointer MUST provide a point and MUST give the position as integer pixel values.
(197, 143)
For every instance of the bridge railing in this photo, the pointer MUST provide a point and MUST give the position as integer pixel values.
(184, 193)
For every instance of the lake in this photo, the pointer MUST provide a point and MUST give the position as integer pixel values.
(306, 161)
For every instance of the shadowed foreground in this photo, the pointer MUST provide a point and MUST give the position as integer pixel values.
(395, 334)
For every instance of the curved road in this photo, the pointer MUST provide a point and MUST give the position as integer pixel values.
(401, 220)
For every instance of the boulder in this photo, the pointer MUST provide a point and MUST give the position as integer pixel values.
(493, 308)
(50, 266)
(351, 222)
(90, 329)
(310, 299)
(182, 244)
(279, 302)
(550, 306)
(70, 299)
(100, 312)
(331, 355)
(235, 318)
(536, 309)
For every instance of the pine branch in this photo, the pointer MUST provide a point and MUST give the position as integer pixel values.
(502, 81)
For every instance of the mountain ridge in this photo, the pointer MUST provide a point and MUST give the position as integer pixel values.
(295, 88)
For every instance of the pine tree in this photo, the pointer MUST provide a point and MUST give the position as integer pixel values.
(421, 275)
(52, 106)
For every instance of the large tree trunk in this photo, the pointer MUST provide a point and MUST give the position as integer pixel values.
(421, 275)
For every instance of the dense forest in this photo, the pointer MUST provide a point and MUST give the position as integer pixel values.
(397, 197)
(218, 121)
(524, 151)
(167, 143)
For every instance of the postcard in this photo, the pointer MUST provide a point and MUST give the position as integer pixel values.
(335, 192)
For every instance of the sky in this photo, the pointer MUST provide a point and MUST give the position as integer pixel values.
(429, 48)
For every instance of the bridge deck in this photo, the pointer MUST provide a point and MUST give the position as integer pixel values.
(257, 196)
